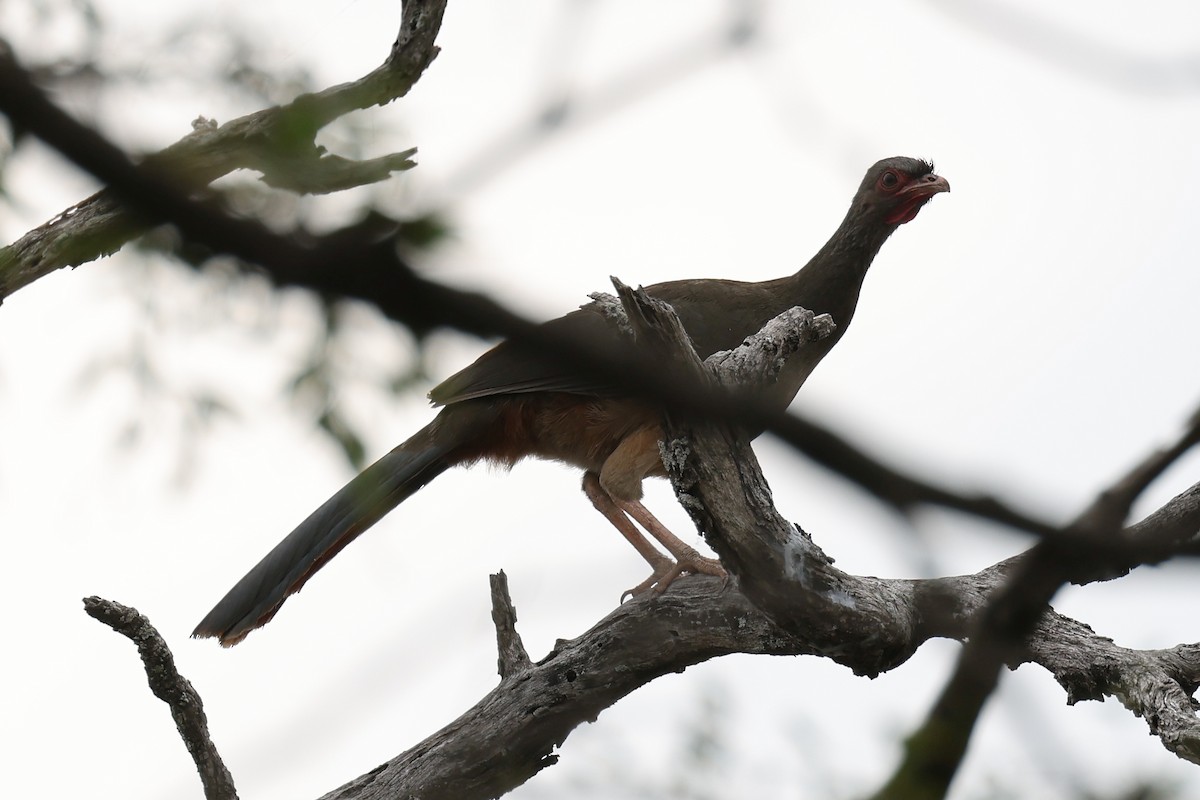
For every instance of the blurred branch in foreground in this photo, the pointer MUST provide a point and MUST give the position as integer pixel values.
(278, 142)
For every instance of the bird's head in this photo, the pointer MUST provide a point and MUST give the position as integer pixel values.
(894, 190)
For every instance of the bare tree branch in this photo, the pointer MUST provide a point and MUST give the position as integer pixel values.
(1156, 685)
(512, 733)
(173, 689)
(513, 657)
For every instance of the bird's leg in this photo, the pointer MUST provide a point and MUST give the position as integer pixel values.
(605, 505)
(686, 557)
(620, 482)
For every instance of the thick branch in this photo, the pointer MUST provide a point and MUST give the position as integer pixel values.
(512, 733)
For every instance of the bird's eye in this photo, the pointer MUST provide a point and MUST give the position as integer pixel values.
(889, 180)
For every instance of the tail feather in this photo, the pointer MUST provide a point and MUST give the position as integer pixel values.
(357, 506)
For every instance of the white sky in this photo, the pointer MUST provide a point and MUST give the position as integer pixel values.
(1034, 331)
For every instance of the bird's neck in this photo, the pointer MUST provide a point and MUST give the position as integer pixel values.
(830, 282)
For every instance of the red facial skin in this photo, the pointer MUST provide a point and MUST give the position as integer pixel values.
(910, 192)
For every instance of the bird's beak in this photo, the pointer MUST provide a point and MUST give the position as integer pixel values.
(915, 195)
(926, 186)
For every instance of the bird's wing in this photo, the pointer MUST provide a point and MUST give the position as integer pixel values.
(510, 369)
(715, 317)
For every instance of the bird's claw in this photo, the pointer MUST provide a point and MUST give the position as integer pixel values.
(661, 579)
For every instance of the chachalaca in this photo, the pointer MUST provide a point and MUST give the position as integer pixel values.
(511, 404)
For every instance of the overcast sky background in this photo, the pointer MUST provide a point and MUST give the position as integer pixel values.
(1033, 332)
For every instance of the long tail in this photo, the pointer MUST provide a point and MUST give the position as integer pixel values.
(357, 506)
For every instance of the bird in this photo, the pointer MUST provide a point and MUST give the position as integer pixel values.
(511, 404)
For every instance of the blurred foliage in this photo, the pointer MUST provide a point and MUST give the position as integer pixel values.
(207, 57)
(323, 372)
(159, 404)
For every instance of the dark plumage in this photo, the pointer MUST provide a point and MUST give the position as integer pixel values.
(510, 405)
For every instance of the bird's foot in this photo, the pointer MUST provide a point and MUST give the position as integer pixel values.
(690, 563)
(659, 578)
